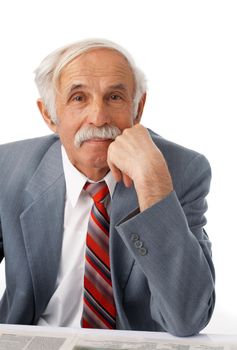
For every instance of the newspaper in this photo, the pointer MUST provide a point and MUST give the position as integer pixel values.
(147, 344)
(153, 346)
(61, 340)
(21, 342)
(28, 341)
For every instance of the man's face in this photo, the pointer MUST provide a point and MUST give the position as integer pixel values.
(95, 89)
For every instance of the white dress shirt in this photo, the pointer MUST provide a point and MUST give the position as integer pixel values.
(66, 304)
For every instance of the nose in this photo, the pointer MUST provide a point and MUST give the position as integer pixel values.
(99, 113)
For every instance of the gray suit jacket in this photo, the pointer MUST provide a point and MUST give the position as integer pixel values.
(163, 276)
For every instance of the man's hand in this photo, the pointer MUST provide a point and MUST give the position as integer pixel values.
(133, 157)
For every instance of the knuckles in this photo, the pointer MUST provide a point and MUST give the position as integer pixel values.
(111, 150)
(134, 133)
(126, 132)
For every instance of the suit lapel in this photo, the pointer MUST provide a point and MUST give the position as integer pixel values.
(42, 225)
(124, 201)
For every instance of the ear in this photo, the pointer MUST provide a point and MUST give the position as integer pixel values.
(46, 116)
(140, 109)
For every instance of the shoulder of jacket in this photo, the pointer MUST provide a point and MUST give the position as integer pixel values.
(182, 161)
(25, 152)
(32, 142)
(172, 150)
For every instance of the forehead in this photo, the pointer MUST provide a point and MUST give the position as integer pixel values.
(98, 64)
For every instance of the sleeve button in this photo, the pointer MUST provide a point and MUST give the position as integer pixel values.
(143, 251)
(134, 237)
(138, 244)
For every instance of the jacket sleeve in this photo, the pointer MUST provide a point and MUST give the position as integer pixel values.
(170, 245)
(1, 244)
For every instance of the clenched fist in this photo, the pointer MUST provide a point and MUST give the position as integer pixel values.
(133, 157)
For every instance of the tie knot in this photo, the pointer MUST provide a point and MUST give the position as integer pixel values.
(98, 191)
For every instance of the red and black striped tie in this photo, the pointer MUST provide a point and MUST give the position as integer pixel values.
(98, 308)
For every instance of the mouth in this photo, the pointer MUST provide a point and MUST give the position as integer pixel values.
(97, 140)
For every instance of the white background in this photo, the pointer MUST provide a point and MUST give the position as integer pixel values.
(188, 50)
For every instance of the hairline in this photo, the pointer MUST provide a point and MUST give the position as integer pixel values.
(60, 67)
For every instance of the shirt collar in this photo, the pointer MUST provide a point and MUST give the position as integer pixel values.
(75, 180)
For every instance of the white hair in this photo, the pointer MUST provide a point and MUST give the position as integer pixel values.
(48, 72)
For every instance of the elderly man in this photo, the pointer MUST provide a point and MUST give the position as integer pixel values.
(101, 223)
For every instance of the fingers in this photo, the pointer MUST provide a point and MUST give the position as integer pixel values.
(118, 175)
(120, 156)
(115, 171)
(127, 180)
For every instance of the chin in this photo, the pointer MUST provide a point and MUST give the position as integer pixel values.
(96, 153)
(100, 163)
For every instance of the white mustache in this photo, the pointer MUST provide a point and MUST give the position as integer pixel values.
(92, 132)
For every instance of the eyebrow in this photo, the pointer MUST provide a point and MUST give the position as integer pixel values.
(76, 87)
(119, 86)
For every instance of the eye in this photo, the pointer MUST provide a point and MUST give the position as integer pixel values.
(78, 98)
(115, 97)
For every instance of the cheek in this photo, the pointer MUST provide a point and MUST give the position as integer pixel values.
(70, 122)
(70, 113)
(124, 121)
(66, 132)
